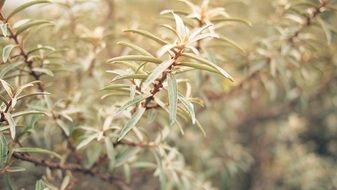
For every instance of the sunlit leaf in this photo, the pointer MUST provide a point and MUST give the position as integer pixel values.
(157, 72)
(135, 58)
(148, 35)
(26, 5)
(173, 97)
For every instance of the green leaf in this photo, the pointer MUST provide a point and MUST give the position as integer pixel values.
(189, 107)
(198, 66)
(135, 58)
(6, 52)
(37, 150)
(4, 151)
(28, 25)
(125, 156)
(157, 72)
(65, 182)
(224, 39)
(26, 5)
(110, 152)
(116, 87)
(136, 100)
(148, 35)
(204, 61)
(132, 122)
(33, 94)
(86, 141)
(11, 123)
(8, 88)
(4, 29)
(31, 112)
(136, 48)
(63, 126)
(173, 97)
(39, 185)
(8, 68)
(246, 22)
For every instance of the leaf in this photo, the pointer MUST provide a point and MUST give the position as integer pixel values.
(15, 169)
(246, 22)
(125, 156)
(8, 68)
(8, 88)
(189, 107)
(31, 112)
(6, 52)
(135, 58)
(132, 122)
(148, 35)
(4, 29)
(4, 151)
(43, 70)
(37, 150)
(28, 25)
(326, 30)
(136, 48)
(136, 100)
(11, 123)
(65, 182)
(173, 97)
(116, 87)
(157, 72)
(198, 66)
(63, 126)
(86, 141)
(33, 94)
(204, 61)
(39, 185)
(110, 152)
(231, 42)
(132, 76)
(26, 5)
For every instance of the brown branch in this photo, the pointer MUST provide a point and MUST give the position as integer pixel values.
(72, 167)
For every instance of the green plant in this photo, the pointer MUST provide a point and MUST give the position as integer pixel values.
(96, 108)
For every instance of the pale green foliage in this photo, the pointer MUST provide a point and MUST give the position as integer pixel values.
(114, 94)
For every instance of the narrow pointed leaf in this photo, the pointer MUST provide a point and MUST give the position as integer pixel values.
(4, 151)
(136, 48)
(135, 101)
(39, 185)
(6, 52)
(157, 72)
(132, 122)
(30, 25)
(26, 5)
(148, 35)
(189, 107)
(246, 22)
(37, 150)
(11, 123)
(135, 58)
(231, 42)
(204, 61)
(173, 97)
(23, 113)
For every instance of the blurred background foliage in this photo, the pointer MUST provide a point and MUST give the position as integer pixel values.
(274, 127)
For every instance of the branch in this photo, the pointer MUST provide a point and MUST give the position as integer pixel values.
(72, 167)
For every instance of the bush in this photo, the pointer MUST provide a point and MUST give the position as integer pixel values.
(108, 94)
